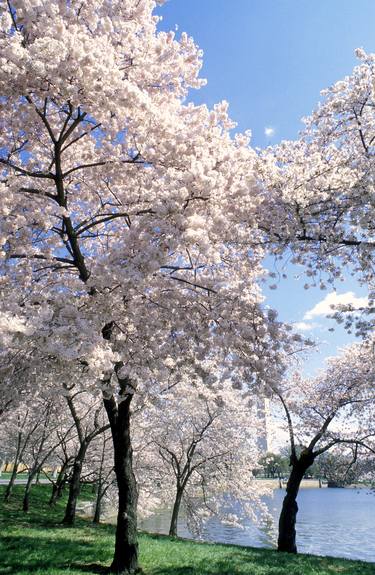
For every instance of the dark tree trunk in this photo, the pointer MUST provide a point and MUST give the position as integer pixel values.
(100, 491)
(9, 489)
(288, 515)
(26, 496)
(98, 503)
(75, 485)
(55, 494)
(17, 459)
(175, 512)
(125, 560)
(58, 485)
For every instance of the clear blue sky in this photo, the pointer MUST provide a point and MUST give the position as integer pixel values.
(270, 59)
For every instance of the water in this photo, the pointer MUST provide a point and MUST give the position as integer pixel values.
(336, 522)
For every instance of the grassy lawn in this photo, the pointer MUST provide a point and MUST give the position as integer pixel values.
(36, 543)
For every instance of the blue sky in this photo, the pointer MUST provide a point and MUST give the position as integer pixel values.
(270, 59)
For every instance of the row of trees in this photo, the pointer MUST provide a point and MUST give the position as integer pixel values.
(196, 448)
(133, 231)
(336, 469)
(187, 448)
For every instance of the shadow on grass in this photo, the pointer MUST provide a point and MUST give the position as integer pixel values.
(40, 513)
(90, 568)
(46, 553)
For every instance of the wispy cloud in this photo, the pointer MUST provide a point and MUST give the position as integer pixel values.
(269, 131)
(326, 305)
(305, 326)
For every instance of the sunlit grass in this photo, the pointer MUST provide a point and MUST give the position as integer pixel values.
(37, 543)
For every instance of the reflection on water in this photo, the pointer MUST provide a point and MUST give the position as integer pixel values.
(337, 522)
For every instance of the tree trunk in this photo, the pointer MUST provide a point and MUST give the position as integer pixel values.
(26, 496)
(10, 485)
(58, 485)
(288, 515)
(175, 512)
(125, 560)
(75, 486)
(54, 494)
(98, 503)
(99, 486)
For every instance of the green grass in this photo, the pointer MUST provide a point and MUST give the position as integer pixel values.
(36, 543)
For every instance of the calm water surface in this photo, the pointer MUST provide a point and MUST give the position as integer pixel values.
(336, 522)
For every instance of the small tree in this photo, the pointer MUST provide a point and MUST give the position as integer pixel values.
(81, 406)
(104, 476)
(337, 468)
(335, 409)
(201, 449)
(274, 465)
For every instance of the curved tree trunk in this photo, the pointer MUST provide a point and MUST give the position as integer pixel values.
(125, 560)
(175, 512)
(9, 489)
(287, 522)
(75, 486)
(58, 485)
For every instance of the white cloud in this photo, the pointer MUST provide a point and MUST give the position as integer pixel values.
(269, 132)
(305, 326)
(324, 307)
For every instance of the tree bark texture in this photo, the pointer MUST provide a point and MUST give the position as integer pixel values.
(9, 489)
(288, 515)
(26, 495)
(58, 485)
(175, 512)
(98, 504)
(75, 485)
(125, 560)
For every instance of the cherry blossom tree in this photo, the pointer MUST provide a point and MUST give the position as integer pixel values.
(16, 436)
(336, 409)
(120, 202)
(34, 432)
(197, 447)
(81, 406)
(43, 445)
(340, 469)
(320, 205)
(15, 364)
(104, 477)
(63, 459)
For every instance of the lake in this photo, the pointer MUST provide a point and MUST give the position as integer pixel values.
(336, 522)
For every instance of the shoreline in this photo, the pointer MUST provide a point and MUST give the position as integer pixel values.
(308, 484)
(47, 547)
